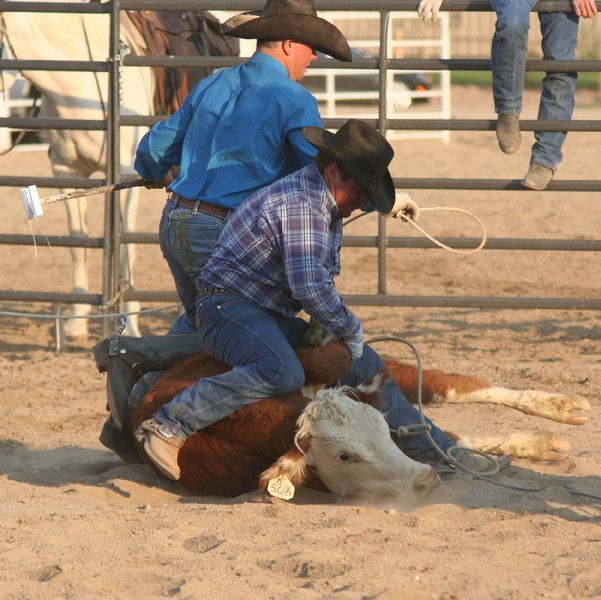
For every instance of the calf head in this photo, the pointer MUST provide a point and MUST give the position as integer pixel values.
(348, 444)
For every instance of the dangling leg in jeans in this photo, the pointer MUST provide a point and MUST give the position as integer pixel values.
(560, 36)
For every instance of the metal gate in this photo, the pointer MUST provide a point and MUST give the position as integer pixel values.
(113, 238)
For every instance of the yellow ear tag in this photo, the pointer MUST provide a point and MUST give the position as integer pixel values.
(281, 487)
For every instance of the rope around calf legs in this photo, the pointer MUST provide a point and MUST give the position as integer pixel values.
(448, 456)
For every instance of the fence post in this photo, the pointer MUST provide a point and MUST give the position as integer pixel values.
(110, 272)
(382, 126)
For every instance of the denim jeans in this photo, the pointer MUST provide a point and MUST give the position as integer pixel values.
(397, 410)
(256, 343)
(509, 48)
(259, 345)
(187, 240)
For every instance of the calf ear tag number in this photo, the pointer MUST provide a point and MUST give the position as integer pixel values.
(281, 487)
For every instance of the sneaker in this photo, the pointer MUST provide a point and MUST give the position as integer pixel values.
(508, 133)
(538, 177)
(161, 446)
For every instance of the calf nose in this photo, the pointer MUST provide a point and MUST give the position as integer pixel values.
(425, 482)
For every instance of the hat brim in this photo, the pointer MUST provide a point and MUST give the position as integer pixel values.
(315, 32)
(381, 193)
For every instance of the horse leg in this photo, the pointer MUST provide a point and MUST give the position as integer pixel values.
(77, 220)
(127, 253)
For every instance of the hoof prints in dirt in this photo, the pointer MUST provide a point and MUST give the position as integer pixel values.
(202, 543)
(298, 567)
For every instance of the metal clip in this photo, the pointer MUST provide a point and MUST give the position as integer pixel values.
(124, 50)
(114, 339)
(408, 430)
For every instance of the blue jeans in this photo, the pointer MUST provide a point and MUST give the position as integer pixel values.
(397, 411)
(509, 48)
(187, 240)
(256, 343)
(259, 345)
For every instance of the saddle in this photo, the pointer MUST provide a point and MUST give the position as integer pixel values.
(181, 33)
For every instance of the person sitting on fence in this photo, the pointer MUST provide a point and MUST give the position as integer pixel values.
(279, 253)
(237, 131)
(509, 49)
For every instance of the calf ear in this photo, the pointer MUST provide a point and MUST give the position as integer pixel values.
(369, 391)
(292, 465)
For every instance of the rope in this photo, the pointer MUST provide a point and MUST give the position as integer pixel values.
(4, 313)
(444, 246)
(448, 455)
(432, 238)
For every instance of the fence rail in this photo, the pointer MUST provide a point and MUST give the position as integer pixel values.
(113, 238)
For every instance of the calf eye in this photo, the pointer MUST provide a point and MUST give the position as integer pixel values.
(343, 456)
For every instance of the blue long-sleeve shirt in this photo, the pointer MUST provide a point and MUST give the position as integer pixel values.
(237, 131)
(281, 250)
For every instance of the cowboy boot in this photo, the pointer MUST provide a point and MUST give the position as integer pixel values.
(508, 133)
(538, 177)
(118, 441)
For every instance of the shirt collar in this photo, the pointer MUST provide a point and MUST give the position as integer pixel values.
(264, 60)
(331, 205)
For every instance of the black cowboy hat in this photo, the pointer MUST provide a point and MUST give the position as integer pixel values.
(364, 154)
(295, 20)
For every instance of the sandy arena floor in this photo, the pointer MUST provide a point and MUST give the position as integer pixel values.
(76, 522)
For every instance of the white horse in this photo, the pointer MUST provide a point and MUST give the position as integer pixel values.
(77, 95)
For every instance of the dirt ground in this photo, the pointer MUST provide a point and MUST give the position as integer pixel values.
(76, 522)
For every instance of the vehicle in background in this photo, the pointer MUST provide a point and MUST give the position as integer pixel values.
(360, 85)
(19, 99)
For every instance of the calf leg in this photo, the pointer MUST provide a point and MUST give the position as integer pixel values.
(534, 446)
(438, 386)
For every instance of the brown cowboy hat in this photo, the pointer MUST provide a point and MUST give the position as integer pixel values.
(363, 153)
(295, 20)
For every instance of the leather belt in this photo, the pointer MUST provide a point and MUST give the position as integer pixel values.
(206, 289)
(201, 205)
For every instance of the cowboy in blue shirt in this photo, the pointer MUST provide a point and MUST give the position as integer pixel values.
(237, 131)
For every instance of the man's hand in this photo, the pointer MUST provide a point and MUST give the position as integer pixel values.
(166, 181)
(427, 10)
(404, 208)
(585, 8)
(354, 343)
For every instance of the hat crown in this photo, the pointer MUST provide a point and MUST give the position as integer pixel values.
(289, 7)
(365, 147)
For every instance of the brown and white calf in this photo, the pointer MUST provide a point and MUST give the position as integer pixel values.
(334, 440)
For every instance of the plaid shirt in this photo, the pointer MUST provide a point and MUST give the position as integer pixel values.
(281, 250)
